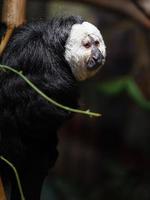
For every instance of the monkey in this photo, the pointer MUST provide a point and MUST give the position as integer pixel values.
(55, 55)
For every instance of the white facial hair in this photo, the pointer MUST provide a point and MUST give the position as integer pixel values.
(75, 52)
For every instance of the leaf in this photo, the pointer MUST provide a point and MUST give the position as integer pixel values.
(135, 93)
(113, 87)
(125, 84)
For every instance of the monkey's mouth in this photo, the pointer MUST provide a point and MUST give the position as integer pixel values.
(96, 60)
(94, 64)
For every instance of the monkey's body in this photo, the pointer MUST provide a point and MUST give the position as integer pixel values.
(28, 123)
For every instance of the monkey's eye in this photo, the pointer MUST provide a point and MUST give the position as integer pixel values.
(87, 45)
(96, 43)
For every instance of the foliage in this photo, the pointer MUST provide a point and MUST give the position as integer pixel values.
(125, 84)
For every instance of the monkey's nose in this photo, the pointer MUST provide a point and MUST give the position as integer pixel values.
(96, 60)
(98, 57)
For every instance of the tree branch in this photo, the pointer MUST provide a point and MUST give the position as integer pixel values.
(14, 12)
(125, 6)
(139, 6)
(13, 15)
(6, 38)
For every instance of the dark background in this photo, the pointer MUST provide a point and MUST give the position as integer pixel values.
(107, 157)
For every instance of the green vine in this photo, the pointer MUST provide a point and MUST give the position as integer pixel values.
(128, 85)
(87, 112)
(16, 175)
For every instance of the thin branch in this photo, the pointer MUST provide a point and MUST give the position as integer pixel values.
(13, 15)
(138, 5)
(123, 6)
(16, 175)
(6, 38)
(87, 112)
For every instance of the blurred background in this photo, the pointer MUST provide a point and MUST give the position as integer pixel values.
(108, 157)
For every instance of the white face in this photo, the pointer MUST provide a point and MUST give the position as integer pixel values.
(79, 47)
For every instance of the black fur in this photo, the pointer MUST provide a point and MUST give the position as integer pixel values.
(3, 28)
(28, 123)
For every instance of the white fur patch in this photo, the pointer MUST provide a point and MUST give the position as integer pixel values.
(76, 54)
